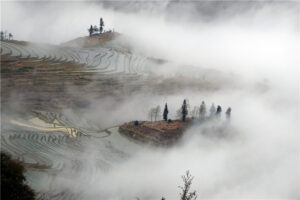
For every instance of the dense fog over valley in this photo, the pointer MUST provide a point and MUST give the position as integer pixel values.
(243, 55)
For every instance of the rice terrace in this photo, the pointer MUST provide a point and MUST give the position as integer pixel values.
(149, 100)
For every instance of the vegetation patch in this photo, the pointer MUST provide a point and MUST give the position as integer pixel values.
(13, 185)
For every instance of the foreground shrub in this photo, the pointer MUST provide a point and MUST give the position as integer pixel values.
(13, 185)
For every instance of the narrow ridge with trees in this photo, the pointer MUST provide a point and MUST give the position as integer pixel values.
(168, 131)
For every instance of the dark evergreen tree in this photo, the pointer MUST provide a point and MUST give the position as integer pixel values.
(101, 25)
(91, 30)
(101, 22)
(10, 36)
(2, 35)
(219, 110)
(184, 110)
(166, 111)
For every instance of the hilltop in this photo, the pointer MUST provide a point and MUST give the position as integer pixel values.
(155, 132)
(98, 40)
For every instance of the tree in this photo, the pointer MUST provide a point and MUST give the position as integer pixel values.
(10, 36)
(166, 111)
(101, 22)
(2, 35)
(219, 111)
(91, 30)
(101, 25)
(228, 113)
(185, 189)
(202, 110)
(212, 110)
(184, 110)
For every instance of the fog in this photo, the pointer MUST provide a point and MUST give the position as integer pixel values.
(255, 42)
(258, 158)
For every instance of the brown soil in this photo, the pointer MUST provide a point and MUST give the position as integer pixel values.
(158, 133)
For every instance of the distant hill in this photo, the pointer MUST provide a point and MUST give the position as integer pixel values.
(112, 40)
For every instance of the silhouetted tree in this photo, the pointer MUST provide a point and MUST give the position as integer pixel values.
(10, 36)
(184, 110)
(101, 22)
(185, 189)
(212, 110)
(219, 110)
(2, 35)
(228, 113)
(13, 185)
(91, 30)
(101, 25)
(202, 110)
(166, 111)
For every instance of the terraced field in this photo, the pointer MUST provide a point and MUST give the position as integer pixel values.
(56, 76)
(52, 149)
(105, 60)
(37, 81)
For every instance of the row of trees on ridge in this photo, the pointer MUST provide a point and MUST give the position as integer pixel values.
(182, 113)
(95, 30)
(5, 36)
